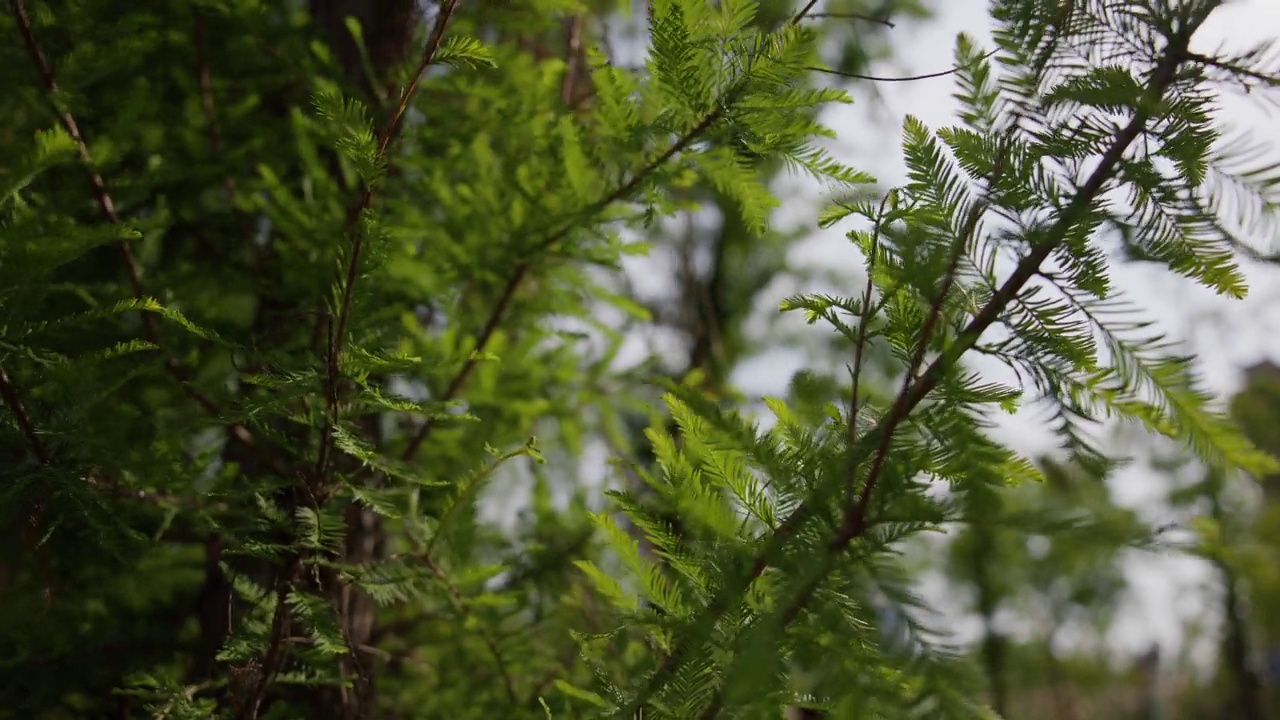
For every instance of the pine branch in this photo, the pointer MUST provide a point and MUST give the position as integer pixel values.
(281, 620)
(1165, 73)
(517, 277)
(855, 521)
(1237, 70)
(337, 334)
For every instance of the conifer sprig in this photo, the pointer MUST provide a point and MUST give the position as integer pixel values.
(281, 618)
(338, 331)
(1150, 107)
(519, 274)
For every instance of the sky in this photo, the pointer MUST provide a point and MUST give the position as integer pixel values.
(1225, 335)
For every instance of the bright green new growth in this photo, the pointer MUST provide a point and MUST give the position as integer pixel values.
(1052, 151)
(439, 261)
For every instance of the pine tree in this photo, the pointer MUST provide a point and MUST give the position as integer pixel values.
(271, 324)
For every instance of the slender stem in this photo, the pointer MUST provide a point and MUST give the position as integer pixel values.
(860, 347)
(892, 79)
(854, 16)
(855, 520)
(337, 334)
(28, 429)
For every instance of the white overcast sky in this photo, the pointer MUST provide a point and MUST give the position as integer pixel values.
(1226, 335)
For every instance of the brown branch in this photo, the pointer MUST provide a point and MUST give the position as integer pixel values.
(280, 620)
(107, 206)
(14, 400)
(855, 520)
(572, 58)
(852, 16)
(9, 392)
(1236, 70)
(69, 123)
(338, 332)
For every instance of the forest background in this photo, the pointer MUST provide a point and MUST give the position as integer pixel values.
(1059, 633)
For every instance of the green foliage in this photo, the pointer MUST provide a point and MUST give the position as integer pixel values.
(249, 442)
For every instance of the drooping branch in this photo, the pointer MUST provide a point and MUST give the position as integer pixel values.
(891, 79)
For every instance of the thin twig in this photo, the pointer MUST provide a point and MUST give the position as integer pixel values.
(14, 400)
(898, 79)
(337, 334)
(464, 608)
(73, 129)
(280, 621)
(855, 519)
(1236, 69)
(852, 16)
(860, 347)
(28, 429)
